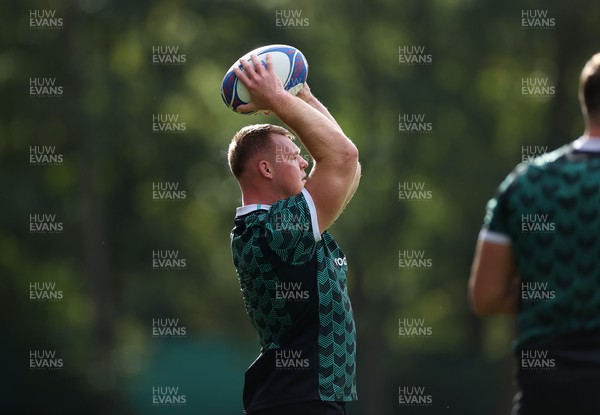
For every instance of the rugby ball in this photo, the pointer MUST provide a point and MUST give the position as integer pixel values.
(290, 66)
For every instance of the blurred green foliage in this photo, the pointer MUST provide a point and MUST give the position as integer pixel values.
(102, 190)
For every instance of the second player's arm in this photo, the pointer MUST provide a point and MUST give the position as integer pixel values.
(494, 286)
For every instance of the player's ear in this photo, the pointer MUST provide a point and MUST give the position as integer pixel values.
(265, 168)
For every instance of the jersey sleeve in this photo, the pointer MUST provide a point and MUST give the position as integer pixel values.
(496, 221)
(292, 229)
(494, 224)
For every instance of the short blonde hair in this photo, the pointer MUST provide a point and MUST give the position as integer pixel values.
(249, 141)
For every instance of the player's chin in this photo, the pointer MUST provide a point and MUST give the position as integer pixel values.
(301, 186)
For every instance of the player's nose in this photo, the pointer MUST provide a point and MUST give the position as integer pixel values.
(303, 163)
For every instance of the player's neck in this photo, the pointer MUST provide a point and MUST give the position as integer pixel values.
(255, 198)
(255, 192)
(593, 131)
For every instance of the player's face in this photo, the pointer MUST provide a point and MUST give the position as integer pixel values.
(289, 166)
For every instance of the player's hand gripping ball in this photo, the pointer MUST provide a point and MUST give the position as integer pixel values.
(288, 62)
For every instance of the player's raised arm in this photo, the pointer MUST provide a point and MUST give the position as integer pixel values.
(336, 170)
(306, 95)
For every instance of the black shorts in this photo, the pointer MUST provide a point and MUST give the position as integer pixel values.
(571, 386)
(305, 408)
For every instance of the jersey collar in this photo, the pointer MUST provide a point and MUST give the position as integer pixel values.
(244, 210)
(587, 144)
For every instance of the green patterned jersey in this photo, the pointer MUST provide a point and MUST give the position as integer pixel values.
(293, 281)
(549, 210)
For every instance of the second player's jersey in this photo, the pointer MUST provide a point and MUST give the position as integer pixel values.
(549, 209)
(293, 281)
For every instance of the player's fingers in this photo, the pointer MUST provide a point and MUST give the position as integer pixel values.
(242, 75)
(245, 108)
(246, 64)
(258, 66)
(269, 64)
(304, 92)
